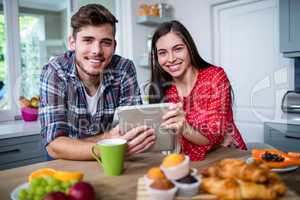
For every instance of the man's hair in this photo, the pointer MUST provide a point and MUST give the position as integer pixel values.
(93, 15)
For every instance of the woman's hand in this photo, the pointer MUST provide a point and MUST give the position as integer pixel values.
(174, 118)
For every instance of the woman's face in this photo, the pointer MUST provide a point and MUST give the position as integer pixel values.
(173, 55)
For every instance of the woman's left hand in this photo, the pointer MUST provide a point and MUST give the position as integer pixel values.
(174, 118)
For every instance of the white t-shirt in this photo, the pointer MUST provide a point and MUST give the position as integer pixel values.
(92, 101)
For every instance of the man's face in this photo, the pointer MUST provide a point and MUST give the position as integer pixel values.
(94, 47)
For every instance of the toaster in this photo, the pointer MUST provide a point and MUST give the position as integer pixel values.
(291, 102)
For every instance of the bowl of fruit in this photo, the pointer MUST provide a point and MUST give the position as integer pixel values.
(29, 108)
(51, 184)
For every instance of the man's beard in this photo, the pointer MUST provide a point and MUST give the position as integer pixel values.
(80, 65)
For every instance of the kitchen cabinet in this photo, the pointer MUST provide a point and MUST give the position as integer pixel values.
(285, 137)
(20, 151)
(289, 17)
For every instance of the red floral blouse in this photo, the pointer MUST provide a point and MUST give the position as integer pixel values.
(208, 110)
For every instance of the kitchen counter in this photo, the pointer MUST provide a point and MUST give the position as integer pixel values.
(125, 186)
(286, 119)
(19, 128)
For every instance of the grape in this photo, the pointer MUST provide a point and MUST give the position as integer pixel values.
(31, 190)
(30, 196)
(52, 181)
(56, 188)
(48, 189)
(35, 182)
(73, 181)
(65, 185)
(40, 190)
(22, 194)
(37, 197)
(43, 182)
(40, 187)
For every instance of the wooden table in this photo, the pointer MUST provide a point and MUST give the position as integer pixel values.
(125, 186)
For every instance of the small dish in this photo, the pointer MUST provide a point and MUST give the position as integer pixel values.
(147, 180)
(193, 171)
(278, 170)
(162, 194)
(179, 171)
(188, 189)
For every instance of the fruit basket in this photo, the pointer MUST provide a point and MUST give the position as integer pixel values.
(29, 114)
(29, 108)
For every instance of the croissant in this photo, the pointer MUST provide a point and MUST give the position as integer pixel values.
(236, 189)
(232, 168)
(275, 183)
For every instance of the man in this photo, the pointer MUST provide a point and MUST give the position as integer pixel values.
(81, 89)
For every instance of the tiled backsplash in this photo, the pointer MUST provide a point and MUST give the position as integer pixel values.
(297, 73)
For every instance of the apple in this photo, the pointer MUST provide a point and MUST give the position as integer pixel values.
(56, 196)
(82, 191)
(24, 102)
(34, 102)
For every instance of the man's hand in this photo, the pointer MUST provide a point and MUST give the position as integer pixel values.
(138, 139)
(174, 118)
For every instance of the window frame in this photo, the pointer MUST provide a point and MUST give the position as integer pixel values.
(13, 48)
(12, 58)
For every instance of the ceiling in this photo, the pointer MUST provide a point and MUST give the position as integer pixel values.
(53, 5)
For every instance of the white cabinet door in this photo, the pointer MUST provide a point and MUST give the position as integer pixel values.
(246, 45)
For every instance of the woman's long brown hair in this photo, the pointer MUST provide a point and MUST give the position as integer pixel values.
(161, 80)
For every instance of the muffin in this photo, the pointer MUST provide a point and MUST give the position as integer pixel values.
(188, 186)
(176, 166)
(153, 174)
(162, 189)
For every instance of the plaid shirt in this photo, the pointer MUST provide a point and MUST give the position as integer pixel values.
(63, 107)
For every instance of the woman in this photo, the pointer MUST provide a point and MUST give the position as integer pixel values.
(202, 114)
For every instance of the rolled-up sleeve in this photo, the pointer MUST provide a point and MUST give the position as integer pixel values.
(52, 111)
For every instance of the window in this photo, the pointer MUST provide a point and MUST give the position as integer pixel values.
(3, 74)
(30, 34)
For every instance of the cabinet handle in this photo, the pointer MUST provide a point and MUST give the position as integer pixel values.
(293, 136)
(10, 151)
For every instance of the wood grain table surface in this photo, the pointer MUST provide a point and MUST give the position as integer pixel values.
(124, 186)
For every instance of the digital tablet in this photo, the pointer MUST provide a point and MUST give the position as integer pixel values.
(151, 116)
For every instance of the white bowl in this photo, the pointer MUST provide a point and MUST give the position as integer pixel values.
(147, 180)
(179, 171)
(188, 189)
(156, 194)
(193, 172)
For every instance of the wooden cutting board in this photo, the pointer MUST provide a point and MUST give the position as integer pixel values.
(142, 194)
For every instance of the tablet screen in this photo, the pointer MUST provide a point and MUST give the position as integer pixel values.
(151, 116)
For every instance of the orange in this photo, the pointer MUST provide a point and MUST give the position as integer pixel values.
(68, 175)
(60, 175)
(155, 173)
(40, 173)
(173, 160)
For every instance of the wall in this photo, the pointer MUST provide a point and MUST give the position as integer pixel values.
(109, 4)
(197, 17)
(200, 29)
(139, 48)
